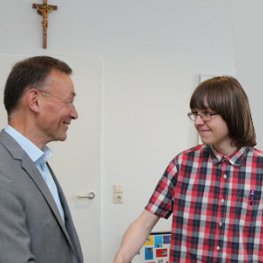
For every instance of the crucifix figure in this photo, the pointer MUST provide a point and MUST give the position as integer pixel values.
(43, 10)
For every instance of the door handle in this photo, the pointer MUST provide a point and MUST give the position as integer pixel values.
(90, 195)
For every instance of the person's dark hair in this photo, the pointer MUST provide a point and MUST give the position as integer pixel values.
(225, 96)
(31, 72)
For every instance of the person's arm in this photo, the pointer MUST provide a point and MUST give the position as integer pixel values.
(135, 236)
(14, 235)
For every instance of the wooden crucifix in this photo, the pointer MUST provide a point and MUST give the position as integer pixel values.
(44, 9)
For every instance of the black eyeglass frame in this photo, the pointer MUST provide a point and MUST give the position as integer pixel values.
(204, 115)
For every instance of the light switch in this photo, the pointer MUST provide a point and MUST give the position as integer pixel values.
(118, 194)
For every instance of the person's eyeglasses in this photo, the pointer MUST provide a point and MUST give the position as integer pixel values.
(205, 115)
(68, 102)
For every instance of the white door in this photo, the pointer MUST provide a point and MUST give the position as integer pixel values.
(76, 162)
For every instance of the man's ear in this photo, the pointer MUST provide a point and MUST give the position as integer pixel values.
(32, 99)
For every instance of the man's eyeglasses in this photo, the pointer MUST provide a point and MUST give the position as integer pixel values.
(205, 115)
(68, 102)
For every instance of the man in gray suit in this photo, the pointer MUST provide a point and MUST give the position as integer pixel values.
(35, 221)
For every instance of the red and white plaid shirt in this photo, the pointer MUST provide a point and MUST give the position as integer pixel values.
(217, 205)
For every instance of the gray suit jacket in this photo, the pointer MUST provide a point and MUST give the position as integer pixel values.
(31, 228)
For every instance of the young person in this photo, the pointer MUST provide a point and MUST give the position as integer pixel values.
(213, 190)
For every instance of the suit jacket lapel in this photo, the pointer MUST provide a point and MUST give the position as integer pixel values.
(68, 220)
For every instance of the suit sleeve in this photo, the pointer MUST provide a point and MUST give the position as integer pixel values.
(14, 236)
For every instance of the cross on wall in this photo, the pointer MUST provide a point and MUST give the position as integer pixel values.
(44, 9)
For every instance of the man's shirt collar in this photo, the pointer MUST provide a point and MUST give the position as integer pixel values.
(235, 158)
(35, 154)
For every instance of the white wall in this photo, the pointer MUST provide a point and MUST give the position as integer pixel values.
(247, 22)
(153, 52)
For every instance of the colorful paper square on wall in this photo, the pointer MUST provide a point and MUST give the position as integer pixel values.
(156, 248)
